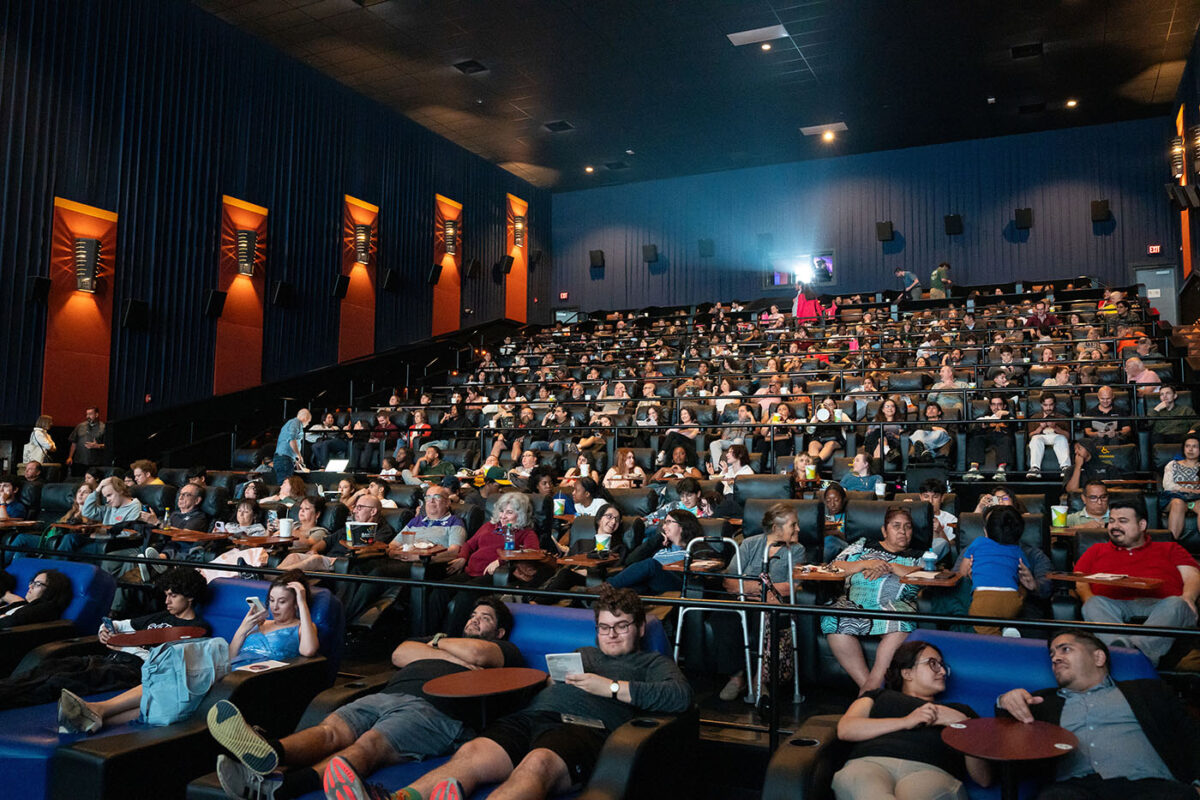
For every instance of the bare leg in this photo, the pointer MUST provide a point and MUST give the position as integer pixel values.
(814, 448)
(827, 450)
(318, 743)
(1176, 514)
(477, 762)
(368, 753)
(849, 654)
(540, 774)
(119, 709)
(883, 657)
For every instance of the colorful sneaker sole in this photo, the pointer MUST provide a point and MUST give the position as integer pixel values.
(231, 730)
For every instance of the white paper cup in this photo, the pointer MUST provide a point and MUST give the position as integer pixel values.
(603, 540)
(880, 490)
(810, 472)
(1058, 516)
(285, 527)
(560, 506)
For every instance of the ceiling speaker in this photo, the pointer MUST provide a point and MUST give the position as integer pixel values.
(649, 253)
(953, 224)
(1100, 212)
(884, 232)
(1023, 217)
(215, 304)
(597, 258)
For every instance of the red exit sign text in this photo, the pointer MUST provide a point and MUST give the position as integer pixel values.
(1154, 249)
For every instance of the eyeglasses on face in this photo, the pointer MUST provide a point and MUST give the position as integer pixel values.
(620, 628)
(1095, 498)
(935, 664)
(35, 583)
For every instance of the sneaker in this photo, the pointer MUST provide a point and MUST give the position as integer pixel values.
(1000, 475)
(973, 474)
(149, 571)
(243, 783)
(230, 729)
(74, 715)
(449, 789)
(341, 782)
(733, 689)
(1035, 472)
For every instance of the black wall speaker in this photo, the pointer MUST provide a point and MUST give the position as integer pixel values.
(649, 253)
(597, 258)
(37, 289)
(883, 231)
(1023, 218)
(135, 314)
(390, 280)
(1100, 212)
(1175, 197)
(281, 293)
(1191, 194)
(953, 224)
(535, 259)
(435, 273)
(341, 284)
(474, 268)
(707, 248)
(506, 264)
(215, 304)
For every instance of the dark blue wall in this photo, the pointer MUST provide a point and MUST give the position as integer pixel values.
(154, 109)
(834, 204)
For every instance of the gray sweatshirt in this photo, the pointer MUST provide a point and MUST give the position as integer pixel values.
(655, 684)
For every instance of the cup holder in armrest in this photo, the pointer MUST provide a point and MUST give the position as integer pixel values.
(355, 684)
(643, 722)
(801, 741)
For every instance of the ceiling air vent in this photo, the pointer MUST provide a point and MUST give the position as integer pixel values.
(558, 126)
(470, 67)
(615, 165)
(1027, 50)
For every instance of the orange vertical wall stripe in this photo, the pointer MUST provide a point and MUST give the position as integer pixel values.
(447, 293)
(516, 283)
(237, 360)
(1185, 222)
(75, 365)
(356, 325)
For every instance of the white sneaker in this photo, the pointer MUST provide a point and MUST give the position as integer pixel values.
(1035, 472)
(1011, 633)
(973, 474)
(1000, 475)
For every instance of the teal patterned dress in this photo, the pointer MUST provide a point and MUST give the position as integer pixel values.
(881, 594)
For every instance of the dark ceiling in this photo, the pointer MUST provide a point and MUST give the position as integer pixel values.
(661, 79)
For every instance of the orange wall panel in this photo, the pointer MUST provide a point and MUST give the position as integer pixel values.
(516, 283)
(237, 360)
(75, 365)
(356, 324)
(447, 293)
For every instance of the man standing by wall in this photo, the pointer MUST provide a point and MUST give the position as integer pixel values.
(287, 449)
(87, 443)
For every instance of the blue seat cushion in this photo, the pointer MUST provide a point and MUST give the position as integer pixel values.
(92, 588)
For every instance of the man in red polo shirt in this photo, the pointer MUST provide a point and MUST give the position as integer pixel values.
(1130, 552)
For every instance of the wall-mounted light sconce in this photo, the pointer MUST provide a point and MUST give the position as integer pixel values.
(87, 261)
(362, 244)
(1193, 142)
(519, 231)
(450, 234)
(1177, 157)
(247, 246)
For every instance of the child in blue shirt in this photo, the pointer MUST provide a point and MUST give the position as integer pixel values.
(993, 564)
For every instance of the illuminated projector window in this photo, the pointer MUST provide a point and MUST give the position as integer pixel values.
(811, 269)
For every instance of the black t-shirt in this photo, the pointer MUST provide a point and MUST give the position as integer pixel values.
(410, 679)
(922, 744)
(162, 619)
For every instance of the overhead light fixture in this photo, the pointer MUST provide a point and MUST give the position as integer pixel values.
(589, 169)
(519, 231)
(87, 261)
(628, 152)
(991, 101)
(1072, 103)
(450, 235)
(828, 136)
(362, 244)
(766, 46)
(821, 130)
(247, 246)
(1176, 161)
(757, 35)
(1193, 137)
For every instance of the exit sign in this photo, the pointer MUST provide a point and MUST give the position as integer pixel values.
(563, 295)
(1154, 249)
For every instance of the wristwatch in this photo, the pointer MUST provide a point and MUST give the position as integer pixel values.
(437, 637)
(614, 687)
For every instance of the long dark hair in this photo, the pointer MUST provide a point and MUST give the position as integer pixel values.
(688, 522)
(58, 591)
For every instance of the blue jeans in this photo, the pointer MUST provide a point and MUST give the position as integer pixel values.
(647, 577)
(285, 467)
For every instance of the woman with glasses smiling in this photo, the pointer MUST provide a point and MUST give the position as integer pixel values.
(896, 732)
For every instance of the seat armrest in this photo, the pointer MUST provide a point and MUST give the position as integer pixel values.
(78, 646)
(18, 641)
(1066, 607)
(631, 763)
(805, 762)
(337, 696)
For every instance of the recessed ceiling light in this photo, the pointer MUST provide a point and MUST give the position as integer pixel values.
(628, 152)
(828, 136)
(991, 100)
(756, 35)
(558, 126)
(470, 67)
(766, 45)
(1072, 103)
(820, 130)
(589, 169)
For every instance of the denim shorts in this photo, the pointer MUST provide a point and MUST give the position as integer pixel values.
(411, 725)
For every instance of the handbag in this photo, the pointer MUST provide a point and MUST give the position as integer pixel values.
(177, 675)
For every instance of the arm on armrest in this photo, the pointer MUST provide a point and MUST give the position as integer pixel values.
(80, 646)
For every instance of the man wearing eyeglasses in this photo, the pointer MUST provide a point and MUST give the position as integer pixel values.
(1094, 513)
(186, 516)
(552, 745)
(1135, 739)
(366, 508)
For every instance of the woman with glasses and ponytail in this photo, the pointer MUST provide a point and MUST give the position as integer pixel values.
(896, 732)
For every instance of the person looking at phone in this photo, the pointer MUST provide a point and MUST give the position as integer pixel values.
(287, 632)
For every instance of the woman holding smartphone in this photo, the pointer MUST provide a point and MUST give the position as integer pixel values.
(287, 633)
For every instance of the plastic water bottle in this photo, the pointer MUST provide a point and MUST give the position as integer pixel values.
(929, 561)
(510, 543)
